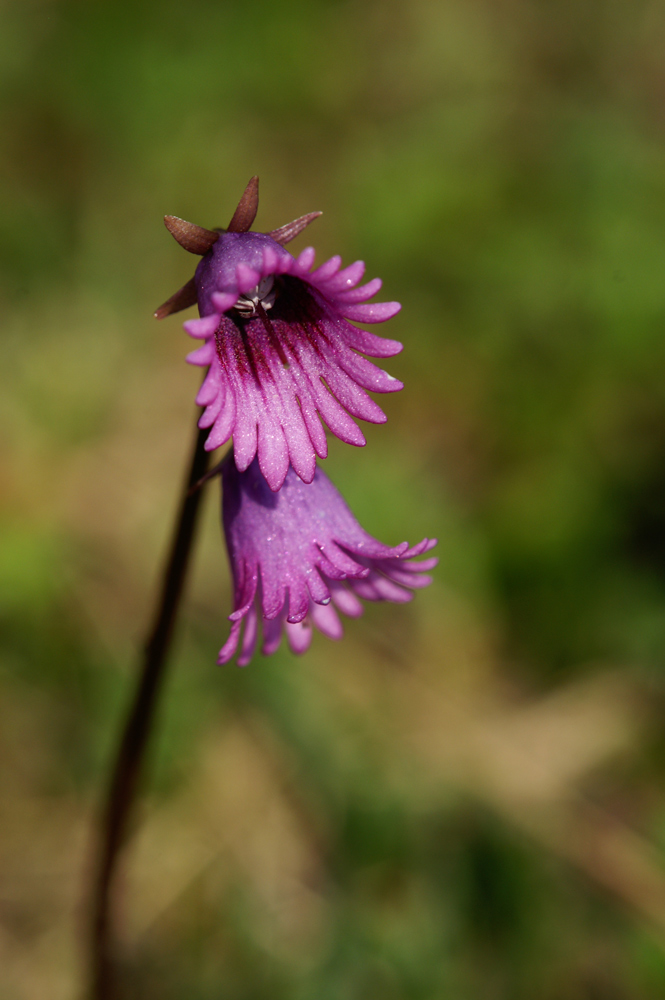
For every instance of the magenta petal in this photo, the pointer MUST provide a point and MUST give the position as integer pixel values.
(298, 600)
(318, 589)
(304, 260)
(249, 638)
(245, 432)
(336, 417)
(341, 559)
(359, 294)
(326, 271)
(371, 312)
(426, 545)
(310, 554)
(245, 440)
(376, 588)
(326, 620)
(333, 572)
(204, 327)
(354, 399)
(221, 430)
(272, 635)
(211, 387)
(345, 280)
(388, 590)
(270, 261)
(317, 435)
(246, 581)
(281, 401)
(368, 375)
(424, 565)
(202, 355)
(211, 413)
(409, 579)
(346, 600)
(273, 453)
(299, 636)
(231, 644)
(247, 278)
(273, 593)
(300, 449)
(370, 548)
(223, 301)
(369, 343)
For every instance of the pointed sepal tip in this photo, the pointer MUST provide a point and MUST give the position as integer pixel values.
(193, 238)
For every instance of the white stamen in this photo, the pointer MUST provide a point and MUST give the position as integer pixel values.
(264, 293)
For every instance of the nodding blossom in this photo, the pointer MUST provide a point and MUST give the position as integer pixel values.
(280, 343)
(299, 556)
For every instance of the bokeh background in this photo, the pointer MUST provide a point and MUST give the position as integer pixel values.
(464, 799)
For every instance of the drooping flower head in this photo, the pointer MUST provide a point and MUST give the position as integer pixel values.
(299, 556)
(277, 341)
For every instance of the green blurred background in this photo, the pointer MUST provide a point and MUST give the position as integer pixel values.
(465, 799)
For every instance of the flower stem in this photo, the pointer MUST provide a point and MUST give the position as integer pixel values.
(126, 772)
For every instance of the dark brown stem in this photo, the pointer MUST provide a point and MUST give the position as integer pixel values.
(126, 772)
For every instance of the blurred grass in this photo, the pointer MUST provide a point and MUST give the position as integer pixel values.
(465, 799)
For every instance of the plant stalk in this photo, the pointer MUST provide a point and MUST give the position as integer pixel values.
(130, 756)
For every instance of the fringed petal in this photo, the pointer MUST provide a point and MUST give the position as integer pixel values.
(371, 312)
(369, 343)
(203, 327)
(247, 278)
(299, 556)
(249, 637)
(326, 620)
(343, 281)
(272, 635)
(221, 430)
(318, 589)
(228, 649)
(346, 600)
(299, 636)
(202, 355)
(285, 353)
(326, 271)
(361, 293)
(304, 261)
(223, 301)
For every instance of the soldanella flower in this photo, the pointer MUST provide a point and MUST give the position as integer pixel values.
(280, 343)
(282, 355)
(299, 556)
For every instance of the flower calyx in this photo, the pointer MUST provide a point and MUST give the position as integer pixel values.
(198, 240)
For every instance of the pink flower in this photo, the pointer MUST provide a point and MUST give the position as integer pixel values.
(279, 343)
(299, 556)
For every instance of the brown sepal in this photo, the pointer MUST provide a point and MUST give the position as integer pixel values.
(289, 232)
(248, 206)
(196, 239)
(183, 299)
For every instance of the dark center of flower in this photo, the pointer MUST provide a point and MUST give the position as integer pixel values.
(263, 294)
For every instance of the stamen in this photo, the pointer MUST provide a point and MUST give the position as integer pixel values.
(264, 294)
